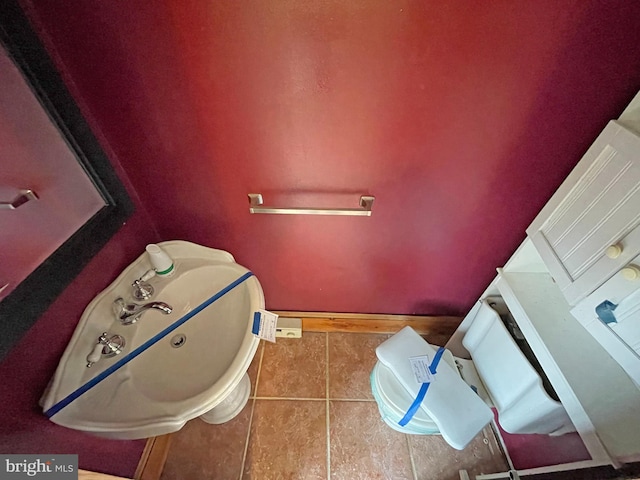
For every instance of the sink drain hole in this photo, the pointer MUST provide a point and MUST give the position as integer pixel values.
(178, 340)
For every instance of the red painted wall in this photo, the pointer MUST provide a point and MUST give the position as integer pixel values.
(461, 117)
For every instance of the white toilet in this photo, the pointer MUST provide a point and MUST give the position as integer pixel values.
(458, 399)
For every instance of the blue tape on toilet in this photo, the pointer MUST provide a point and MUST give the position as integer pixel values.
(423, 390)
(130, 356)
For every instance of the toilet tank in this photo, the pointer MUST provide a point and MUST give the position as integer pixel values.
(516, 389)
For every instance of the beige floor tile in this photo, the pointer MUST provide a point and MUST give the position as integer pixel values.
(363, 447)
(435, 460)
(351, 359)
(294, 367)
(208, 452)
(288, 438)
(288, 441)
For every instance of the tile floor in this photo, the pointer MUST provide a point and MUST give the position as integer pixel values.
(311, 415)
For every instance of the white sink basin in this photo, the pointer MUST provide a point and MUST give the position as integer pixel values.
(186, 373)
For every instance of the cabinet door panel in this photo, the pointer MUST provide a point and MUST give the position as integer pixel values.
(574, 230)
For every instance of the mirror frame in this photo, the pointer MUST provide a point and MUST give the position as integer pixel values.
(30, 299)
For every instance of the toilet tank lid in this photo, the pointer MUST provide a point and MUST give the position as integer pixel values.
(457, 410)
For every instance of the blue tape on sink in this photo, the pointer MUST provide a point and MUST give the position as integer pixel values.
(133, 354)
(256, 323)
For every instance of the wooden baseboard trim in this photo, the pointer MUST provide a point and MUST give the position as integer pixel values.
(87, 475)
(153, 458)
(373, 323)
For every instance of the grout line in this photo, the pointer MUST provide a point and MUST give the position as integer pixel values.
(253, 406)
(413, 463)
(501, 445)
(327, 406)
(316, 399)
(255, 389)
(246, 443)
(371, 400)
(292, 399)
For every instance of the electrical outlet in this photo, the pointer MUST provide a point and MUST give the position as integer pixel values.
(289, 327)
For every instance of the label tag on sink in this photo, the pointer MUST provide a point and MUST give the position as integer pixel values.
(264, 325)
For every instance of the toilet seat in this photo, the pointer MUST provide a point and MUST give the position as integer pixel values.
(455, 409)
(393, 401)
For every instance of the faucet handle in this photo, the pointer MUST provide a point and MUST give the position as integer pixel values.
(95, 355)
(106, 346)
(142, 290)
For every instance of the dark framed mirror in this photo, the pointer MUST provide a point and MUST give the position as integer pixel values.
(28, 300)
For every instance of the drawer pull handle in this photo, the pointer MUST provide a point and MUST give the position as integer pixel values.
(614, 251)
(631, 273)
(23, 197)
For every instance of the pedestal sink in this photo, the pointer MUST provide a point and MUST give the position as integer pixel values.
(198, 366)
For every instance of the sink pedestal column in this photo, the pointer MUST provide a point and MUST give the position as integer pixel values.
(231, 406)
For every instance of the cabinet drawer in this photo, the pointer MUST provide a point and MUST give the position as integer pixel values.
(598, 206)
(621, 337)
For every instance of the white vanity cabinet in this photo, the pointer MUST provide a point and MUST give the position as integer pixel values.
(588, 236)
(582, 250)
(590, 228)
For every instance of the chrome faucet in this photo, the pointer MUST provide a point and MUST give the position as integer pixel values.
(129, 313)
